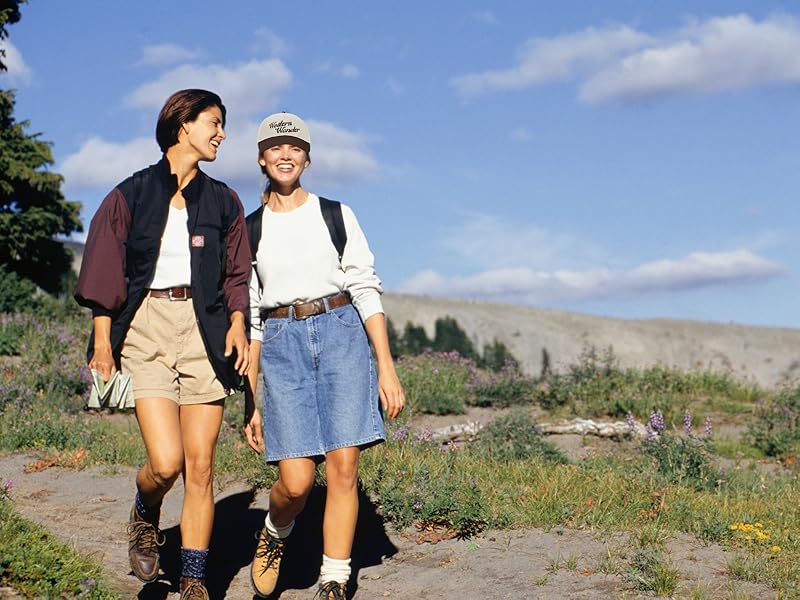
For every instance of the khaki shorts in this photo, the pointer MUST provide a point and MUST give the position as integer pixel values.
(165, 355)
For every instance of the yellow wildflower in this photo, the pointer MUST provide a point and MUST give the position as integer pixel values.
(734, 527)
(776, 548)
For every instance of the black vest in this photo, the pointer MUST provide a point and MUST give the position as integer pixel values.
(211, 209)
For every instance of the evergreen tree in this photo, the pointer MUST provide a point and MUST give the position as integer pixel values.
(32, 208)
(497, 355)
(394, 339)
(449, 336)
(415, 340)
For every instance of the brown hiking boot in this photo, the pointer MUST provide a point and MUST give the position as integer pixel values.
(331, 590)
(266, 563)
(144, 538)
(193, 588)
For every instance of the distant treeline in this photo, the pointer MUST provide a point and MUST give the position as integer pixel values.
(448, 337)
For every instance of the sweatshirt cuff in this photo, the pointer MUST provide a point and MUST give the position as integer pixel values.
(368, 306)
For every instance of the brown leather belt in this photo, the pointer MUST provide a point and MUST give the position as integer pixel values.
(176, 293)
(308, 309)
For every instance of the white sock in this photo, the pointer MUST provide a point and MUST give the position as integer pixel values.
(278, 532)
(334, 569)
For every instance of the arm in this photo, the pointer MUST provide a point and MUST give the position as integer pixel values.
(102, 358)
(101, 284)
(252, 418)
(237, 268)
(390, 389)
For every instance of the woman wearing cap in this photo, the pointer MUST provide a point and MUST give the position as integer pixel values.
(314, 311)
(169, 310)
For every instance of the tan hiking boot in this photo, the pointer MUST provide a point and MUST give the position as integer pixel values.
(193, 588)
(144, 538)
(266, 563)
(331, 590)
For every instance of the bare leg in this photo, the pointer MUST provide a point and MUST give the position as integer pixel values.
(199, 424)
(341, 504)
(289, 494)
(159, 423)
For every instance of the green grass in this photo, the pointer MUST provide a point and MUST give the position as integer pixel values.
(510, 477)
(38, 566)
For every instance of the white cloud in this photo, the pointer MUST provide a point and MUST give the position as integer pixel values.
(167, 54)
(486, 17)
(17, 70)
(347, 71)
(530, 286)
(723, 53)
(543, 60)
(623, 64)
(102, 164)
(246, 89)
(488, 241)
(269, 42)
(338, 156)
(397, 88)
(520, 134)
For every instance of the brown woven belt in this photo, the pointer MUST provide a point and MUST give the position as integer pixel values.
(308, 309)
(176, 293)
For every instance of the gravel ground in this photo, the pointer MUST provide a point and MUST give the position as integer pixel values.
(88, 509)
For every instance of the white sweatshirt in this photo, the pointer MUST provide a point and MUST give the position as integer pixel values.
(297, 262)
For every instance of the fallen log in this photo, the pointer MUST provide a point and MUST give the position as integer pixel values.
(577, 426)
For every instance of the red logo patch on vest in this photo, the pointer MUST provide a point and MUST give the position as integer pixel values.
(198, 241)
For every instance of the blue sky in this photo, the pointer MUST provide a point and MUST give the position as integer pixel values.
(634, 159)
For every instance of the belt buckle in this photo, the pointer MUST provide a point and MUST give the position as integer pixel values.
(173, 298)
(315, 309)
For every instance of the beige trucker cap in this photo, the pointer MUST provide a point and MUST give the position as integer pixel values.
(283, 128)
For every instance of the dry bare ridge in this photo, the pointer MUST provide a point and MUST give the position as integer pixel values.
(769, 356)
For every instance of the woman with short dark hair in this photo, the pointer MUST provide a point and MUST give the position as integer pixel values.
(165, 273)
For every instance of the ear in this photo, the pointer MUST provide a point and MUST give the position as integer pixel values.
(262, 162)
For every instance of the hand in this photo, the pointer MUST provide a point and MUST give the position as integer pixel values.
(236, 339)
(391, 393)
(252, 428)
(103, 362)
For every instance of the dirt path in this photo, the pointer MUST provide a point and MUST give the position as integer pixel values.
(89, 509)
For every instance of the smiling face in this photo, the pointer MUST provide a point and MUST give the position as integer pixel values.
(284, 164)
(204, 135)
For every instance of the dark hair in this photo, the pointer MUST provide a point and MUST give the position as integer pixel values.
(183, 107)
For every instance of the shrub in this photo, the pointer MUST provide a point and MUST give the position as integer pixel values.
(776, 430)
(435, 382)
(508, 387)
(16, 293)
(515, 437)
(679, 459)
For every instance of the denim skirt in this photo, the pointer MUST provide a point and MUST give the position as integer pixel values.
(320, 385)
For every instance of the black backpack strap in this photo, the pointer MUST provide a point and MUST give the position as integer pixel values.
(253, 223)
(332, 213)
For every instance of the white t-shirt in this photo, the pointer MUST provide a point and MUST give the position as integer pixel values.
(297, 262)
(173, 267)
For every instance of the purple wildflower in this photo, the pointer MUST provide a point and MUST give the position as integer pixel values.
(656, 421)
(707, 427)
(631, 423)
(425, 435)
(687, 422)
(401, 433)
(417, 505)
(651, 434)
(8, 485)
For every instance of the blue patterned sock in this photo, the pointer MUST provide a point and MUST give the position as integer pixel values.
(148, 513)
(193, 563)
